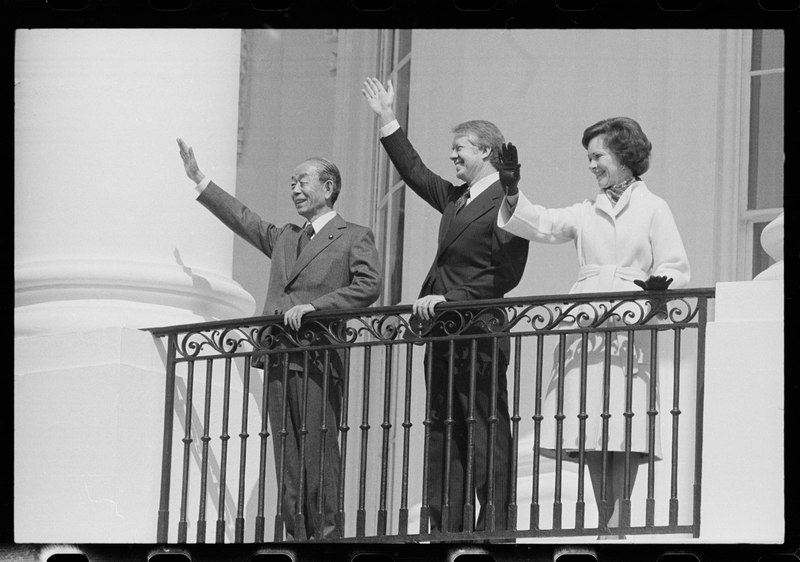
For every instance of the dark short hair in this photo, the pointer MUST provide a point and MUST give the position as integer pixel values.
(327, 170)
(625, 138)
(486, 134)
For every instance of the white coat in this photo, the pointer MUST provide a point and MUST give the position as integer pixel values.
(634, 239)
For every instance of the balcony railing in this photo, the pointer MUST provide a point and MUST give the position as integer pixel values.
(374, 359)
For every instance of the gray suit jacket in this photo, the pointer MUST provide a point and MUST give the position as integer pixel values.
(339, 268)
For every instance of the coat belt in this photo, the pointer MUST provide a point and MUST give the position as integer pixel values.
(608, 273)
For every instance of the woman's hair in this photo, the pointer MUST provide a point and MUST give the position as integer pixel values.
(625, 138)
(486, 134)
(327, 170)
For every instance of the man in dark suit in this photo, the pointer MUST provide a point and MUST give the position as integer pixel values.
(327, 264)
(474, 260)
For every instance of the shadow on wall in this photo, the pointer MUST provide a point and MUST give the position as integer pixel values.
(200, 283)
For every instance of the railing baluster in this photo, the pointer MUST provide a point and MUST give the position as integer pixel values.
(262, 459)
(162, 535)
(448, 439)
(702, 306)
(468, 516)
(187, 443)
(206, 438)
(515, 419)
(407, 425)
(652, 412)
(424, 510)
(580, 504)
(491, 505)
(537, 433)
(319, 516)
(625, 502)
(361, 517)
(339, 518)
(284, 432)
(676, 414)
(559, 416)
(223, 467)
(386, 425)
(301, 533)
(239, 525)
(606, 415)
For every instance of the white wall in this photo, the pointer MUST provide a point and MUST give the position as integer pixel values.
(543, 88)
(286, 116)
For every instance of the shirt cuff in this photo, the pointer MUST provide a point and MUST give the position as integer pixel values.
(200, 187)
(389, 128)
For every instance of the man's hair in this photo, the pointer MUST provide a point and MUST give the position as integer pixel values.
(625, 138)
(327, 170)
(486, 135)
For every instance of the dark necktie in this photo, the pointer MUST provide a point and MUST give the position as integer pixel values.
(305, 237)
(462, 200)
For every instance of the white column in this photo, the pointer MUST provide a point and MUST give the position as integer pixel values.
(108, 238)
(106, 230)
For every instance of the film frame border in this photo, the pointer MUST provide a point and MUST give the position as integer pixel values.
(578, 14)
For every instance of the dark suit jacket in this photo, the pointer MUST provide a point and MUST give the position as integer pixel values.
(339, 268)
(475, 259)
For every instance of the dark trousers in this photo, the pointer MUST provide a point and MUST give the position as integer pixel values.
(306, 447)
(491, 466)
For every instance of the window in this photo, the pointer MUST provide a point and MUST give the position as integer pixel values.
(763, 201)
(394, 60)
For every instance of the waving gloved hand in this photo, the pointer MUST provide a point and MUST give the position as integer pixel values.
(509, 168)
(655, 283)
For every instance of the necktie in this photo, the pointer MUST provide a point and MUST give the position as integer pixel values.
(305, 237)
(462, 200)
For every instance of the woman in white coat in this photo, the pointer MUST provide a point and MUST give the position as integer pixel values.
(626, 239)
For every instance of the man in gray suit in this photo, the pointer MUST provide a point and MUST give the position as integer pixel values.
(327, 264)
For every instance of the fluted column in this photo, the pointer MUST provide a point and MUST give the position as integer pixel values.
(106, 229)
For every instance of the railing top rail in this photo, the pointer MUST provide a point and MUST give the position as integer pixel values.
(707, 292)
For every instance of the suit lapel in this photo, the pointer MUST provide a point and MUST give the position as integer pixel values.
(290, 251)
(330, 233)
(458, 223)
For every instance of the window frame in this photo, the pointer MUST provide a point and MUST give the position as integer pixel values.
(749, 218)
(390, 220)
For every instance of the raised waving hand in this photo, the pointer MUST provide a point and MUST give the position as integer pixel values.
(380, 99)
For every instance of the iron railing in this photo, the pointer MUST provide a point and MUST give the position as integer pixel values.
(379, 352)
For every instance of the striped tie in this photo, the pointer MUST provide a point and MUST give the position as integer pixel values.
(461, 202)
(305, 237)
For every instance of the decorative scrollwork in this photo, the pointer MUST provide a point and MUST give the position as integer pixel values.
(505, 317)
(598, 314)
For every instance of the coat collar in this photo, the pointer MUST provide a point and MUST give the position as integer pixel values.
(603, 204)
(330, 232)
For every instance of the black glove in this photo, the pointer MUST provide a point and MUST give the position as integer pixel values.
(509, 168)
(655, 283)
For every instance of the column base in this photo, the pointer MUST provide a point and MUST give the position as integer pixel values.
(88, 413)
